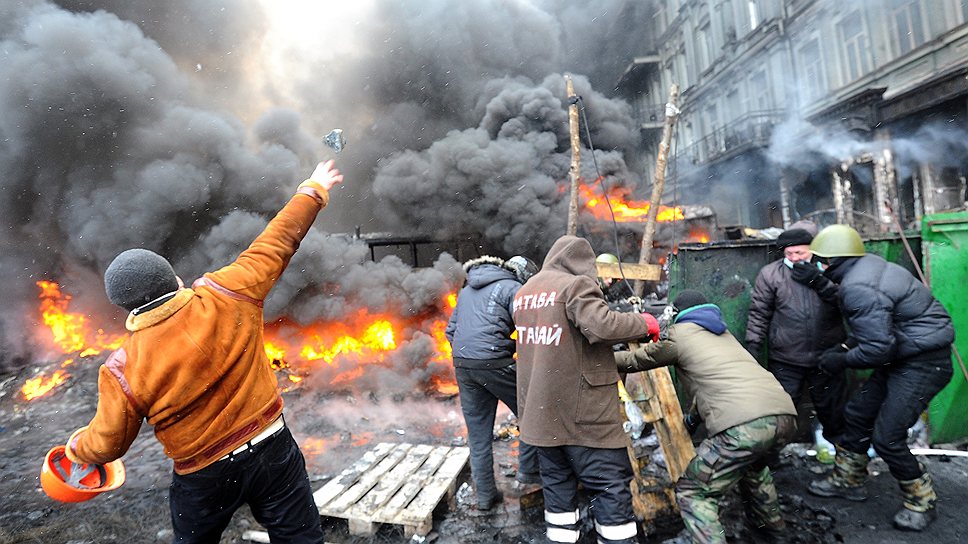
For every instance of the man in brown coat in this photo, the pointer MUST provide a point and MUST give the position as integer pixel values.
(567, 392)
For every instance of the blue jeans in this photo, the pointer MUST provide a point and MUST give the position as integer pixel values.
(887, 405)
(270, 477)
(480, 389)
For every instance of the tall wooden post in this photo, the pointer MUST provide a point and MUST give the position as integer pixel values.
(662, 158)
(575, 170)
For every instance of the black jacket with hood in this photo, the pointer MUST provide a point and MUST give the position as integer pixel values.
(480, 327)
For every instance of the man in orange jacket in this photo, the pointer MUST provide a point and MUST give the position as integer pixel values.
(195, 368)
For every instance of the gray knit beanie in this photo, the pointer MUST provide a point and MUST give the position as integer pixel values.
(138, 276)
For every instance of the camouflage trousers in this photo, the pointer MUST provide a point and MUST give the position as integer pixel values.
(737, 455)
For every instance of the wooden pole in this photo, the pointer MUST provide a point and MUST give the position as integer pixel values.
(662, 158)
(575, 170)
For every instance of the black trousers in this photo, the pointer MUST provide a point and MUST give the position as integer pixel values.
(828, 394)
(603, 473)
(887, 405)
(270, 477)
(480, 389)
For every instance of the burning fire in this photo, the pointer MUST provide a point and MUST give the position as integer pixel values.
(41, 385)
(626, 210)
(70, 332)
(365, 338)
(698, 234)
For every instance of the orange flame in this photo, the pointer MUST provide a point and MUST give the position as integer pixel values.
(70, 332)
(698, 234)
(625, 210)
(41, 385)
(367, 338)
(364, 338)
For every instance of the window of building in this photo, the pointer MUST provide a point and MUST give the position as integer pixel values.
(659, 19)
(754, 14)
(704, 47)
(733, 104)
(759, 91)
(855, 49)
(907, 23)
(682, 72)
(814, 78)
(712, 117)
(725, 15)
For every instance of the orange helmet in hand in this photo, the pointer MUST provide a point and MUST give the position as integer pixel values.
(65, 481)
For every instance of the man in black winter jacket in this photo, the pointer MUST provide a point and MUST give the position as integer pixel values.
(479, 332)
(905, 335)
(795, 312)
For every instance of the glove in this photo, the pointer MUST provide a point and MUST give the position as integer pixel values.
(833, 361)
(666, 320)
(653, 323)
(71, 445)
(806, 273)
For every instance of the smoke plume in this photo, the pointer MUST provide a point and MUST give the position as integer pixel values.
(182, 126)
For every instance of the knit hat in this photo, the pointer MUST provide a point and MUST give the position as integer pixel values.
(138, 276)
(793, 237)
(689, 298)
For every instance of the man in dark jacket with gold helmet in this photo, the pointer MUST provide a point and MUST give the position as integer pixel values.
(904, 334)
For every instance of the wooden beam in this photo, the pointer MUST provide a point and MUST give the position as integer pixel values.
(575, 171)
(658, 185)
(647, 272)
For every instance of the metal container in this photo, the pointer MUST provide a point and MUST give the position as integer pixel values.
(945, 247)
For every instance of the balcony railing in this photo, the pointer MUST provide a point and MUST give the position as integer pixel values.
(749, 131)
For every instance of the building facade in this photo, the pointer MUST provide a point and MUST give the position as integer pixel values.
(853, 112)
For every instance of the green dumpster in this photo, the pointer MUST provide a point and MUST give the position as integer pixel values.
(723, 271)
(726, 271)
(945, 248)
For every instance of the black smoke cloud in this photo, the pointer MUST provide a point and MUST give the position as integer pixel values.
(505, 180)
(144, 124)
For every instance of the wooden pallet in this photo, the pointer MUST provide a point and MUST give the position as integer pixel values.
(398, 484)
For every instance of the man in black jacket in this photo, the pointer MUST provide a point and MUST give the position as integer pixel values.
(479, 331)
(794, 309)
(905, 335)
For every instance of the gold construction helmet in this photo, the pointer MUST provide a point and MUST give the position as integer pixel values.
(837, 241)
(607, 258)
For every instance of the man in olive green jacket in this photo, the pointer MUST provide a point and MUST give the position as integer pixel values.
(747, 413)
